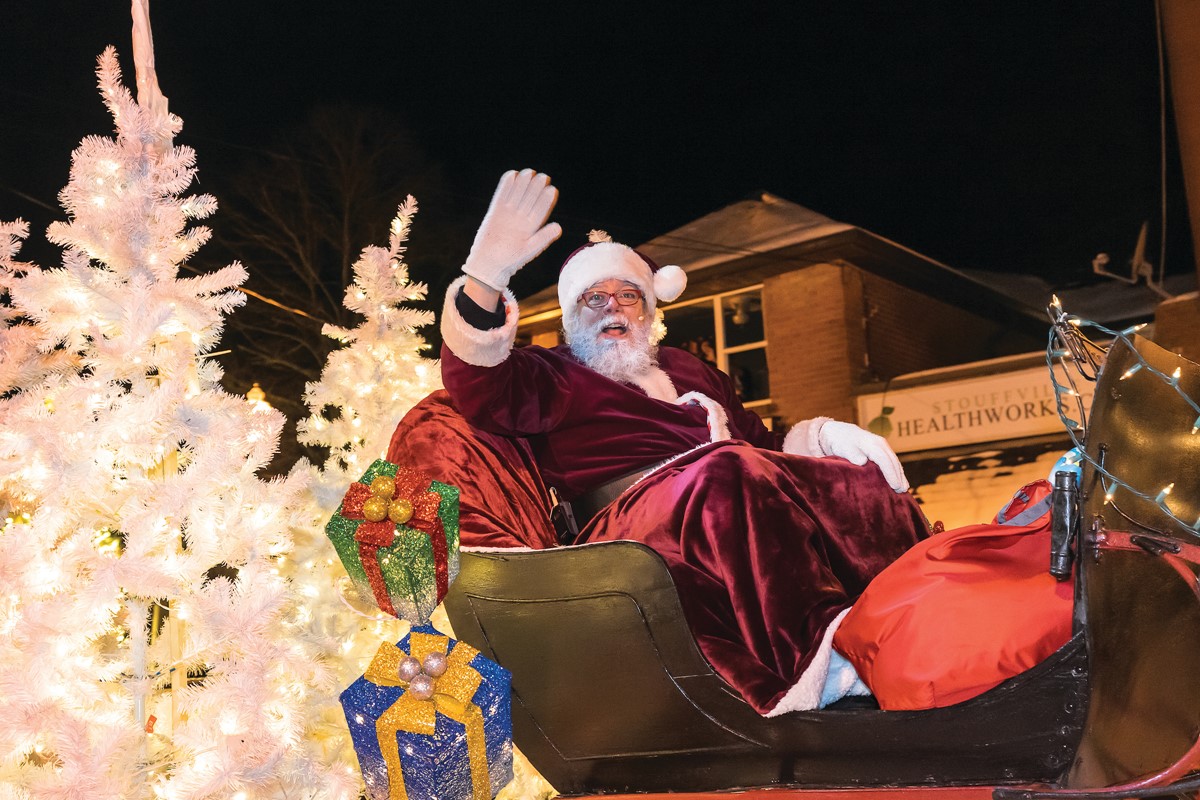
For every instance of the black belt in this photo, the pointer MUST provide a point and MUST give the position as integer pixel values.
(571, 517)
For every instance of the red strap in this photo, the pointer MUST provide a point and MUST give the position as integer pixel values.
(368, 554)
(425, 519)
(414, 485)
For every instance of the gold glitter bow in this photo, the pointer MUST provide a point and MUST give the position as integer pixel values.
(451, 696)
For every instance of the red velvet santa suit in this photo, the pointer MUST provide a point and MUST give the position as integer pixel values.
(586, 429)
(767, 549)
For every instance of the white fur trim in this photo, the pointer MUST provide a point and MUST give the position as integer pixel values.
(658, 329)
(600, 262)
(804, 439)
(479, 549)
(805, 694)
(669, 461)
(478, 347)
(657, 384)
(718, 422)
(669, 282)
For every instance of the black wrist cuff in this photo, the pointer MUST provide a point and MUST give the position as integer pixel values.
(476, 315)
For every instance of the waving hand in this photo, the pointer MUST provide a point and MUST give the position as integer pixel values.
(514, 230)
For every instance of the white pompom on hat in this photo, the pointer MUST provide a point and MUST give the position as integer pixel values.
(603, 259)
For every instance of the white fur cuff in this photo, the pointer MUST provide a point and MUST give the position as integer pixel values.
(718, 422)
(804, 439)
(477, 347)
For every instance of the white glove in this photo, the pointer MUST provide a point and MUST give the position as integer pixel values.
(858, 447)
(513, 232)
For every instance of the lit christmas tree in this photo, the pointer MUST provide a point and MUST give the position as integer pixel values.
(149, 646)
(367, 386)
(27, 353)
(364, 390)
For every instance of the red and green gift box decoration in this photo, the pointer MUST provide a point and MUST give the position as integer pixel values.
(396, 533)
(431, 720)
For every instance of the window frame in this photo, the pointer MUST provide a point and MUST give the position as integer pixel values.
(724, 352)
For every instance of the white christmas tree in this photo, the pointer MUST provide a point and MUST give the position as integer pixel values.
(364, 390)
(367, 386)
(26, 352)
(149, 647)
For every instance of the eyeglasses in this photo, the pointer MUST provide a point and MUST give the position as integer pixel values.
(594, 298)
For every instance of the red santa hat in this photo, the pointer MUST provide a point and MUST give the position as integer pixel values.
(601, 259)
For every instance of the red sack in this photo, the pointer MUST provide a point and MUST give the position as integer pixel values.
(961, 611)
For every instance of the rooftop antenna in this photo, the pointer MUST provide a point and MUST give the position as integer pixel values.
(1139, 267)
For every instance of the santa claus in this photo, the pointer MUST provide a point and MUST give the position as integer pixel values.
(769, 538)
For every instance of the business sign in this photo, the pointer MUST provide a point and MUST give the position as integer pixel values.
(1011, 405)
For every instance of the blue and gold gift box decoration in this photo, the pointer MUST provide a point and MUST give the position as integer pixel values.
(396, 533)
(431, 719)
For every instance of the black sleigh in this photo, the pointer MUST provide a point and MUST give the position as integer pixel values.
(611, 695)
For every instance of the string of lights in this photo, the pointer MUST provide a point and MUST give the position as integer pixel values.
(1067, 343)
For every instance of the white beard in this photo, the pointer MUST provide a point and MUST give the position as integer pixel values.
(624, 360)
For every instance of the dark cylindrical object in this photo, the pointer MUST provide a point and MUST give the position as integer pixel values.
(1065, 522)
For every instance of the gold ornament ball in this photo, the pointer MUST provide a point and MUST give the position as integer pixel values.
(375, 509)
(400, 511)
(383, 486)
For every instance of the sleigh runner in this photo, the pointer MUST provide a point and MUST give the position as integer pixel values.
(611, 694)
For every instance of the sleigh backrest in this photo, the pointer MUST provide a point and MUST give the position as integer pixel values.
(504, 502)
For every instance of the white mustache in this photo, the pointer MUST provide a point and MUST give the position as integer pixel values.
(611, 319)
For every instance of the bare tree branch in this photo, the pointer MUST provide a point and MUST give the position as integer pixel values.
(298, 216)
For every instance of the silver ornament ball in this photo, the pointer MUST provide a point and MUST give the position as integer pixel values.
(421, 687)
(434, 665)
(409, 668)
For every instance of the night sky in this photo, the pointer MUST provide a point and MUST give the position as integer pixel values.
(1020, 136)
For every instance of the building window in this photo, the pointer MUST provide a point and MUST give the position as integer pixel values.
(726, 330)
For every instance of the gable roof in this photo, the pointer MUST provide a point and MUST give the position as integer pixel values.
(759, 224)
